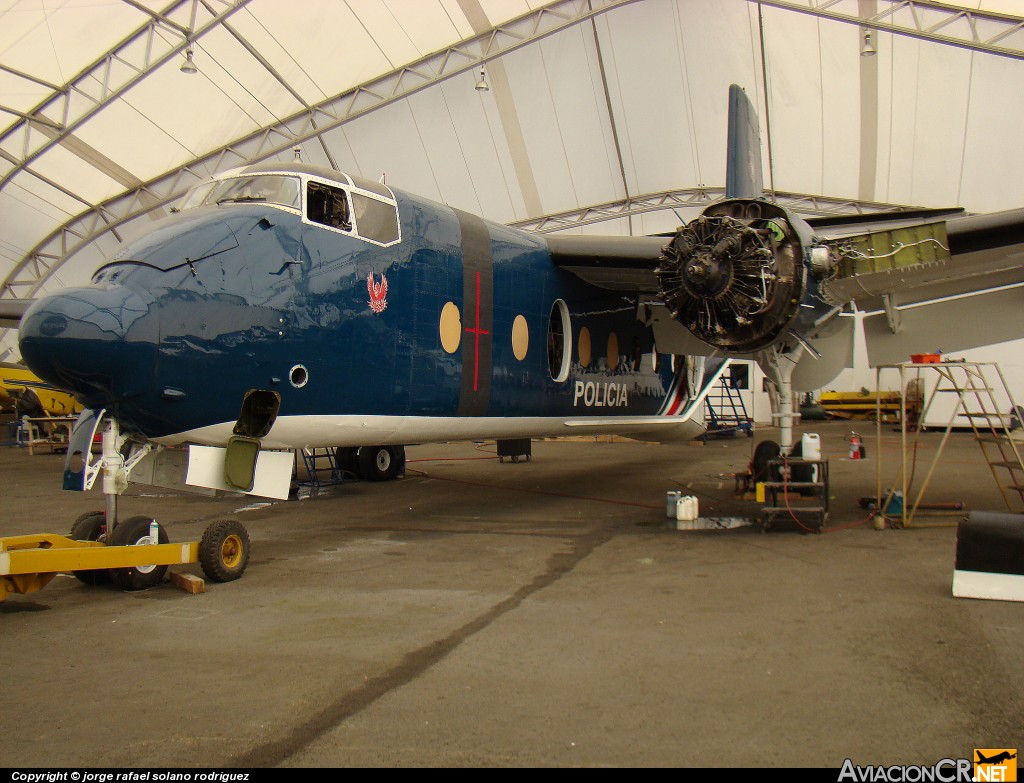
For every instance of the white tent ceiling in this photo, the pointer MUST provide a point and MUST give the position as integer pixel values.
(589, 103)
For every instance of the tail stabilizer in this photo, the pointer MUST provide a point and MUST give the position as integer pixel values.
(743, 157)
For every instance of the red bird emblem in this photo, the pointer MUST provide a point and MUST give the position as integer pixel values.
(378, 293)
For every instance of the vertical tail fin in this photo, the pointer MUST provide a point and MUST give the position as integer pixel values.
(743, 157)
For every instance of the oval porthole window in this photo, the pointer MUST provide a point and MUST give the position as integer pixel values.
(450, 327)
(520, 337)
(559, 341)
(613, 351)
(584, 347)
(298, 376)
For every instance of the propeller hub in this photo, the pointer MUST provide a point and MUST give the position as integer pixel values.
(706, 275)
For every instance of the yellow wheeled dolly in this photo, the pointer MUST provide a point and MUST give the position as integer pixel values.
(136, 558)
(133, 553)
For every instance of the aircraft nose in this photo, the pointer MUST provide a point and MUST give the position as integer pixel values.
(99, 343)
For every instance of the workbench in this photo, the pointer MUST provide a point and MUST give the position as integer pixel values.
(52, 432)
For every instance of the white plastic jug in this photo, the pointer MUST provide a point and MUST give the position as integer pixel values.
(686, 508)
(811, 446)
(671, 502)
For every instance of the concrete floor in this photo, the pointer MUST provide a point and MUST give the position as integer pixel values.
(539, 613)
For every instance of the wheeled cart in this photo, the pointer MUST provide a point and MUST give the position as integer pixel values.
(133, 553)
(136, 558)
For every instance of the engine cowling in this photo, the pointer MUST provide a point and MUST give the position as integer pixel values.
(735, 276)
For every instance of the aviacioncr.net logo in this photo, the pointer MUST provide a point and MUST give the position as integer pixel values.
(995, 765)
(943, 771)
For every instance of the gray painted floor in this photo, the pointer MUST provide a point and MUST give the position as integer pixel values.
(540, 613)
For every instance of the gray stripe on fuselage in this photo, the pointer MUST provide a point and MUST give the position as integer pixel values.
(477, 314)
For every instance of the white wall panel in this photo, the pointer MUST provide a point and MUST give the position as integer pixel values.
(993, 167)
(25, 219)
(55, 41)
(645, 82)
(719, 47)
(581, 111)
(324, 38)
(444, 171)
(560, 109)
(42, 196)
(84, 180)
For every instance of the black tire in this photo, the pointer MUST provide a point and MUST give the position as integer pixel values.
(130, 533)
(378, 463)
(345, 460)
(764, 452)
(224, 550)
(91, 526)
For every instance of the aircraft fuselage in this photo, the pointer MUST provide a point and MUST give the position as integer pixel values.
(375, 315)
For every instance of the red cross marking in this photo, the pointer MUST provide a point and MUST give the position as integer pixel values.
(476, 331)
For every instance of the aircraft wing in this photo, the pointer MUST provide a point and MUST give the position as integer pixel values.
(615, 263)
(928, 281)
(944, 286)
(11, 311)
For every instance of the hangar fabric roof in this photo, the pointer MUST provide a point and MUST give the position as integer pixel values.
(605, 116)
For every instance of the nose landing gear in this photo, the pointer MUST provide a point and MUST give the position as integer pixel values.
(134, 554)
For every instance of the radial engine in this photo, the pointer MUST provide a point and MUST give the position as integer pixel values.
(735, 276)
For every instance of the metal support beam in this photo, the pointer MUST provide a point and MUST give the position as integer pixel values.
(80, 99)
(281, 138)
(967, 28)
(694, 199)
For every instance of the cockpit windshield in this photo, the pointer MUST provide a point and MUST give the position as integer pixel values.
(263, 188)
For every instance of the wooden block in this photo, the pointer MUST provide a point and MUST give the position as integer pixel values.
(188, 582)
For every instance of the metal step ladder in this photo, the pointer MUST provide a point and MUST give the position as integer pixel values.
(983, 398)
(321, 467)
(993, 429)
(724, 409)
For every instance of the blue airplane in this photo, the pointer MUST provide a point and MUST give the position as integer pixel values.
(284, 306)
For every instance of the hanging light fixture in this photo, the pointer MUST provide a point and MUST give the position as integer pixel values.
(867, 47)
(482, 86)
(188, 66)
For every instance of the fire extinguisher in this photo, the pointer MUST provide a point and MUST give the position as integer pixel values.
(856, 446)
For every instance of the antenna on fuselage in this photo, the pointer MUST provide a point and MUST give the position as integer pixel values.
(383, 177)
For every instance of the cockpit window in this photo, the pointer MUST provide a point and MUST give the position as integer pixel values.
(350, 208)
(265, 188)
(375, 220)
(197, 195)
(328, 205)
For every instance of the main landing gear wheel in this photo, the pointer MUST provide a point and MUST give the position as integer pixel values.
(378, 463)
(136, 532)
(91, 526)
(224, 550)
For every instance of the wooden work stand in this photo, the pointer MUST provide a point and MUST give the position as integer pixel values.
(798, 495)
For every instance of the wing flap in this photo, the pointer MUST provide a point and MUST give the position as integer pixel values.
(945, 325)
